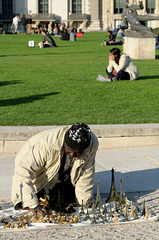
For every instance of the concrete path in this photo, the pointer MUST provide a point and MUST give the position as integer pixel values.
(138, 168)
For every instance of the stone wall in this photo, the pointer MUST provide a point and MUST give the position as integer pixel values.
(109, 136)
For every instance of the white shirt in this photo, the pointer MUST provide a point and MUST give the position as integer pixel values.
(16, 20)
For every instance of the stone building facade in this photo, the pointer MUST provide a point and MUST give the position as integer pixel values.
(90, 15)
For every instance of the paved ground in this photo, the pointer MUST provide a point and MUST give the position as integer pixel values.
(139, 169)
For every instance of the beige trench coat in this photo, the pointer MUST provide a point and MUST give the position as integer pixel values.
(38, 162)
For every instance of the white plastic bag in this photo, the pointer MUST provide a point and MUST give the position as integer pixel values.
(103, 79)
(31, 43)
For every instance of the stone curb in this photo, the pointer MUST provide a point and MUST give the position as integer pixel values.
(109, 136)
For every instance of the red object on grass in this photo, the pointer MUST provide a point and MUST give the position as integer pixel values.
(79, 34)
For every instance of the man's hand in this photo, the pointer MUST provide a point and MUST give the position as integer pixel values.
(38, 209)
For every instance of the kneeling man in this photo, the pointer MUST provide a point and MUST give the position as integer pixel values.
(59, 156)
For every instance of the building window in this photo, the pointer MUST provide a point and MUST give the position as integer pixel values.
(43, 6)
(118, 6)
(76, 6)
(150, 6)
(7, 6)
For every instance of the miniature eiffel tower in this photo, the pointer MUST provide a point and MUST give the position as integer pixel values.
(110, 213)
(137, 205)
(136, 214)
(94, 216)
(105, 213)
(113, 196)
(126, 211)
(122, 195)
(99, 213)
(105, 208)
(143, 209)
(126, 214)
(87, 215)
(146, 212)
(126, 205)
(136, 210)
(132, 214)
(121, 214)
(82, 209)
(98, 198)
(115, 219)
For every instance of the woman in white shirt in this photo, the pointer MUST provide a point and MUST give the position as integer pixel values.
(121, 66)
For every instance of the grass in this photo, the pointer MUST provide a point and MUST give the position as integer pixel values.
(57, 86)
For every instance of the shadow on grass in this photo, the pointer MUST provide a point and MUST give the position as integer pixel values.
(4, 83)
(32, 54)
(24, 100)
(148, 77)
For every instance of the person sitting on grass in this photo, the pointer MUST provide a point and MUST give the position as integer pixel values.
(112, 39)
(121, 66)
(120, 33)
(65, 35)
(58, 163)
(157, 41)
(73, 35)
(48, 40)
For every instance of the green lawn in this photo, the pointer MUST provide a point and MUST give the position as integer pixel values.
(57, 86)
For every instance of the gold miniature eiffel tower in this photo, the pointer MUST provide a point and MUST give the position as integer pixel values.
(143, 209)
(110, 213)
(136, 210)
(121, 214)
(94, 217)
(105, 208)
(99, 213)
(115, 219)
(113, 196)
(82, 209)
(105, 213)
(132, 214)
(126, 211)
(126, 205)
(122, 196)
(126, 215)
(98, 198)
(87, 214)
(146, 212)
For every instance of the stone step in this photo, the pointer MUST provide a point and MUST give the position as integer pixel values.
(109, 136)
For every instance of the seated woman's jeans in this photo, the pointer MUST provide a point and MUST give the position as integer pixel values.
(121, 75)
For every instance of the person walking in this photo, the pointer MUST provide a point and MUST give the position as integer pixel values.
(15, 22)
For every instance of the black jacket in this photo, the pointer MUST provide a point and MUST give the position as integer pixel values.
(24, 21)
